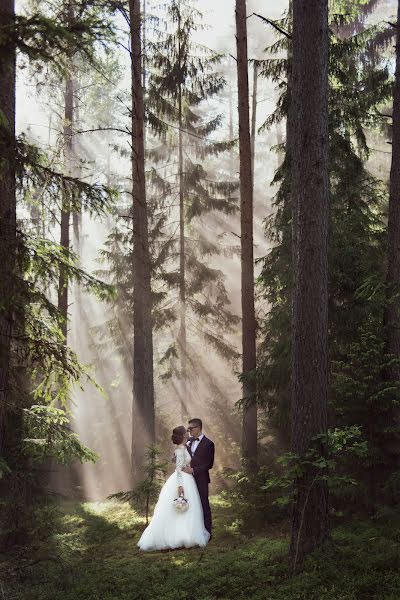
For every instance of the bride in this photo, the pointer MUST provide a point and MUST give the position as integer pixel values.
(172, 526)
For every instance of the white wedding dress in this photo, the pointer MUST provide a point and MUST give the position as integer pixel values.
(169, 528)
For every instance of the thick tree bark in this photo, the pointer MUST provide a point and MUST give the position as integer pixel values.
(310, 525)
(144, 69)
(144, 62)
(249, 431)
(143, 418)
(392, 312)
(7, 209)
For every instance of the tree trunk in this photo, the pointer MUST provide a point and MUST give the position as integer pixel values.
(254, 120)
(288, 208)
(65, 209)
(144, 65)
(182, 274)
(249, 431)
(143, 418)
(77, 172)
(77, 224)
(230, 112)
(392, 312)
(310, 525)
(15, 488)
(7, 211)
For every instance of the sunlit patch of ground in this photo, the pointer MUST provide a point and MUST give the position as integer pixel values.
(92, 554)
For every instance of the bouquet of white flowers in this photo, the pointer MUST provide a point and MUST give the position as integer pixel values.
(181, 504)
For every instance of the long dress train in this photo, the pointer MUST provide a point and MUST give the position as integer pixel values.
(169, 528)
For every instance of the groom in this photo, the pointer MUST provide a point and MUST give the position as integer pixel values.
(201, 449)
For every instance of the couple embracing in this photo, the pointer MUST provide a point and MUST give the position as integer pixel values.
(182, 516)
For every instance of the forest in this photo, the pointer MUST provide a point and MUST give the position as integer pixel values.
(200, 219)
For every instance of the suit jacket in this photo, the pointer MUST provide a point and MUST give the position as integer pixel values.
(202, 459)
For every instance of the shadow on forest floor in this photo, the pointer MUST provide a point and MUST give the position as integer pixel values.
(92, 555)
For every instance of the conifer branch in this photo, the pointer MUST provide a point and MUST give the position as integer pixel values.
(273, 24)
(81, 131)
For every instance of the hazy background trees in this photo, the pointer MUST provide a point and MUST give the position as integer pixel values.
(160, 240)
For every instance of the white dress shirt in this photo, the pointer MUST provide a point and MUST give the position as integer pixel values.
(196, 443)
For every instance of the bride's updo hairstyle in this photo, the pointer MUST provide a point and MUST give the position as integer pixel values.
(178, 433)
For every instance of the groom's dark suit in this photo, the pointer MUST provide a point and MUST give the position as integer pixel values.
(202, 462)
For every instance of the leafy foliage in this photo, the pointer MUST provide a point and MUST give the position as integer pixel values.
(48, 435)
(43, 35)
(147, 490)
(338, 443)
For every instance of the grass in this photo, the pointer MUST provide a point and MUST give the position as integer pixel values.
(92, 555)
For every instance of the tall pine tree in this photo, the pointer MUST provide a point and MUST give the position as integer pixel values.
(249, 433)
(310, 266)
(182, 78)
(8, 234)
(392, 312)
(143, 418)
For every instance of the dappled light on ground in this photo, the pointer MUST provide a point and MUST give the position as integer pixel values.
(92, 555)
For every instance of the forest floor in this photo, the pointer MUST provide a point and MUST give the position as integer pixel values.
(92, 555)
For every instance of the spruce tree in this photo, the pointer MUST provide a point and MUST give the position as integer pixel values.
(392, 312)
(8, 232)
(40, 369)
(356, 248)
(310, 268)
(143, 417)
(182, 77)
(68, 128)
(249, 433)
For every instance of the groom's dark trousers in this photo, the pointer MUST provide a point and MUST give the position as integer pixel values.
(202, 462)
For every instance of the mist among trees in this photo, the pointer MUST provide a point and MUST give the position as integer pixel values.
(200, 218)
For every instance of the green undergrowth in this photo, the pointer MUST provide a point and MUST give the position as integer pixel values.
(92, 555)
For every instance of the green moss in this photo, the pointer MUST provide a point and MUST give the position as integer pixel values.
(93, 555)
